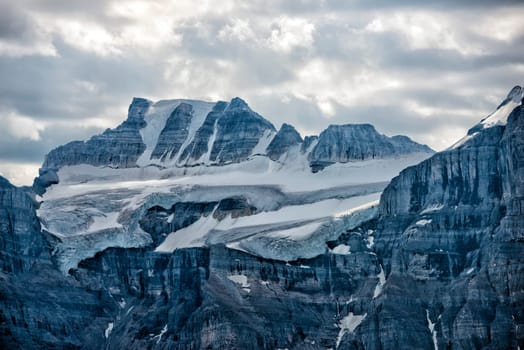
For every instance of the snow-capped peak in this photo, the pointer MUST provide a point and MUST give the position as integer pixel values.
(500, 116)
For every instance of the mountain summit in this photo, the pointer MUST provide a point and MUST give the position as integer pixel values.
(188, 133)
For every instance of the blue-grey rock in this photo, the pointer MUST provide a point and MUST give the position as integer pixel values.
(344, 143)
(286, 138)
(21, 242)
(199, 145)
(239, 129)
(440, 267)
(308, 141)
(175, 132)
(119, 147)
(450, 236)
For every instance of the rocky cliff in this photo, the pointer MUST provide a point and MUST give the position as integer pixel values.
(437, 264)
(344, 143)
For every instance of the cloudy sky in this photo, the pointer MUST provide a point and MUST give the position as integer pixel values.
(69, 68)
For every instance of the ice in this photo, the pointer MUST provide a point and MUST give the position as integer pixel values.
(295, 233)
(94, 208)
(381, 282)
(191, 236)
(256, 171)
(341, 249)
(348, 324)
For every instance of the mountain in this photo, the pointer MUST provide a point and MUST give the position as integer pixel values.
(262, 248)
(211, 173)
(187, 133)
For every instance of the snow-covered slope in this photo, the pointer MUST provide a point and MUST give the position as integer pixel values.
(498, 117)
(205, 173)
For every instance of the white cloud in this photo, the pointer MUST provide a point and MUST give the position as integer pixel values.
(290, 33)
(238, 29)
(422, 30)
(17, 49)
(22, 127)
(19, 174)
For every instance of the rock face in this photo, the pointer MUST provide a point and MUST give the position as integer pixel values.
(175, 133)
(286, 138)
(199, 146)
(118, 147)
(344, 143)
(451, 239)
(21, 243)
(40, 308)
(239, 130)
(438, 265)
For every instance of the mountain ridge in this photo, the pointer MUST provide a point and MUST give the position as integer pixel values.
(432, 259)
(205, 133)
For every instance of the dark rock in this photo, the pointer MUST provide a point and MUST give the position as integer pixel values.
(119, 147)
(286, 138)
(239, 130)
(344, 143)
(175, 132)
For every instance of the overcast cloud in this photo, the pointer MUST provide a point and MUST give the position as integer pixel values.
(69, 68)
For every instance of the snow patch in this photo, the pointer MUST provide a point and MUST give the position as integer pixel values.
(423, 222)
(159, 335)
(348, 324)
(500, 116)
(341, 249)
(108, 330)
(240, 280)
(190, 236)
(370, 242)
(432, 330)
(381, 282)
(156, 118)
(263, 142)
(432, 208)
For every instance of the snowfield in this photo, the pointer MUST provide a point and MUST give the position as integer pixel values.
(94, 208)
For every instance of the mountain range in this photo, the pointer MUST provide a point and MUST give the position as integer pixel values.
(198, 225)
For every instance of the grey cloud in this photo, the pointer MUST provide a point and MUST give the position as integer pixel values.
(13, 149)
(14, 24)
(47, 88)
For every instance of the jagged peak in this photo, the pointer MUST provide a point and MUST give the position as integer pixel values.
(515, 94)
(238, 103)
(498, 118)
(289, 129)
